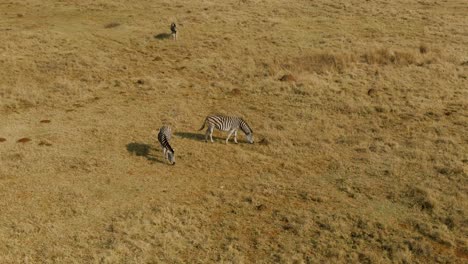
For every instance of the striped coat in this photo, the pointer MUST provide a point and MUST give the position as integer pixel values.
(227, 123)
(164, 136)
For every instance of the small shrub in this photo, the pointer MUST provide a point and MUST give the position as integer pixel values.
(421, 199)
(423, 49)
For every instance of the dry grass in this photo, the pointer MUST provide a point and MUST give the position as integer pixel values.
(334, 62)
(325, 62)
(360, 154)
(386, 57)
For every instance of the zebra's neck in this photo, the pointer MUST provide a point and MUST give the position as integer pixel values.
(245, 128)
(169, 147)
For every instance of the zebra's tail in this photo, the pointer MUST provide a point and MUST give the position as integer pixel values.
(204, 122)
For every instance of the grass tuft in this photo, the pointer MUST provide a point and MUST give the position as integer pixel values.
(423, 49)
(385, 56)
(325, 62)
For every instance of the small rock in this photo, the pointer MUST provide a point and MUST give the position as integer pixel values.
(317, 199)
(112, 25)
(371, 92)
(23, 140)
(288, 78)
(260, 207)
(2, 139)
(140, 81)
(235, 91)
(380, 109)
(44, 143)
(264, 141)
(248, 199)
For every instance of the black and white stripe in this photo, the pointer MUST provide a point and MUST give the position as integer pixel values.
(164, 136)
(227, 123)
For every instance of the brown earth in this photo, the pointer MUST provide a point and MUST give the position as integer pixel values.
(363, 158)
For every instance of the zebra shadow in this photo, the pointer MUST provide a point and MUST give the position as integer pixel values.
(195, 136)
(162, 36)
(142, 150)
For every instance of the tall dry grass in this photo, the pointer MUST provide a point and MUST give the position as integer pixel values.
(341, 62)
(358, 108)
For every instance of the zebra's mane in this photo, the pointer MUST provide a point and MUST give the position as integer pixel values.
(243, 123)
(170, 148)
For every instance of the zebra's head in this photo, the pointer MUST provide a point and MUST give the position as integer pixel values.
(247, 130)
(171, 157)
(250, 138)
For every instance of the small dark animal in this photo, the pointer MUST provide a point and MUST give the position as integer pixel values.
(174, 31)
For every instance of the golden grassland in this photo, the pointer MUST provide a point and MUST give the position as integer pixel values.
(361, 150)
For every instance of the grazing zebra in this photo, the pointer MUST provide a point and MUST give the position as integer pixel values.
(164, 136)
(227, 123)
(174, 31)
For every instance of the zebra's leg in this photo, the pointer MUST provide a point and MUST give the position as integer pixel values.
(230, 133)
(165, 153)
(211, 134)
(235, 136)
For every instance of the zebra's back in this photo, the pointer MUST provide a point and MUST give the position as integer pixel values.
(224, 123)
(227, 123)
(164, 135)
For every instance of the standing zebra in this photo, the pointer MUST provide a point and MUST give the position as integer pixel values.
(227, 123)
(164, 136)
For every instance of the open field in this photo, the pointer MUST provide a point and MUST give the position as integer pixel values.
(361, 153)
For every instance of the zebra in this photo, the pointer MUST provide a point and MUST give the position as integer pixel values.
(164, 136)
(174, 31)
(227, 123)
